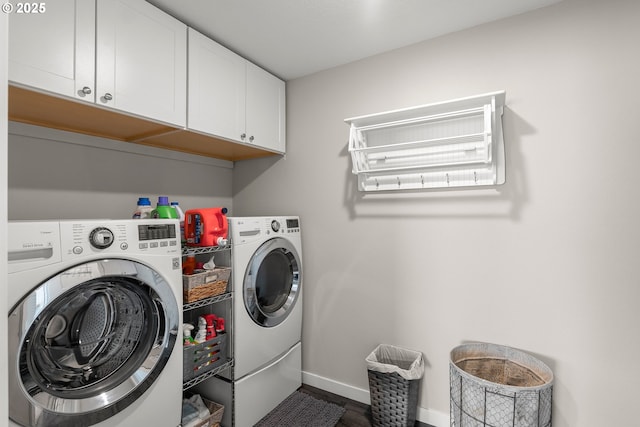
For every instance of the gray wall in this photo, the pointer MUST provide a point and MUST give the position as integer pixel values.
(4, 406)
(546, 263)
(63, 175)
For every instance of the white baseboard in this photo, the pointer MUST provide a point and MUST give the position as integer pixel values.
(427, 416)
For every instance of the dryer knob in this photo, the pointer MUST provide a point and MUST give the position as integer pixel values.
(275, 225)
(101, 238)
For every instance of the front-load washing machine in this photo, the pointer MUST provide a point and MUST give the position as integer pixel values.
(94, 313)
(267, 327)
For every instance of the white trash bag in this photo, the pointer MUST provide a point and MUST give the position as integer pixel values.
(387, 358)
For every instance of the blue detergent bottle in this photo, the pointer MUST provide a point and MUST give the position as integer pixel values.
(143, 209)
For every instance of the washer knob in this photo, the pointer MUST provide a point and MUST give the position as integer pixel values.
(101, 238)
(275, 225)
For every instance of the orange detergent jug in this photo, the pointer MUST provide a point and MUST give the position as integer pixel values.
(206, 227)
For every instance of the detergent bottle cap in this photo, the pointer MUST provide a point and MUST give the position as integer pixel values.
(144, 201)
(163, 201)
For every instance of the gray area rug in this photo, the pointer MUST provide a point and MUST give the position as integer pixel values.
(302, 410)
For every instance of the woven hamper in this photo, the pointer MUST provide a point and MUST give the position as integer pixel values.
(394, 384)
(394, 400)
(497, 386)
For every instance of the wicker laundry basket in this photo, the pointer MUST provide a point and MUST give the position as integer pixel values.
(497, 386)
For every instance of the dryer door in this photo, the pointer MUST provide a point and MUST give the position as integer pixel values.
(272, 282)
(89, 341)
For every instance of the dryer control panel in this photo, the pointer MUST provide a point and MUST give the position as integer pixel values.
(247, 229)
(285, 225)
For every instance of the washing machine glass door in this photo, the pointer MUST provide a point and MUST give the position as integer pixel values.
(89, 341)
(272, 282)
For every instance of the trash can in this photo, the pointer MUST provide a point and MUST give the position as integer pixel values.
(394, 383)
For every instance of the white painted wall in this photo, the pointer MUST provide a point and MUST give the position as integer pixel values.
(548, 263)
(64, 175)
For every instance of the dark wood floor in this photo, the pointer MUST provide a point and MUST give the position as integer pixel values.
(356, 415)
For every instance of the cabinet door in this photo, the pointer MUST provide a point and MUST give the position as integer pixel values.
(55, 50)
(141, 55)
(265, 109)
(216, 89)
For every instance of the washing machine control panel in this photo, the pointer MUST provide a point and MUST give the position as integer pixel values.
(156, 231)
(80, 238)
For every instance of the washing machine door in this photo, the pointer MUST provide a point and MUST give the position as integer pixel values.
(88, 342)
(272, 282)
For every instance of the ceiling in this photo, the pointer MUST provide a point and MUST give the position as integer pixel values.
(294, 38)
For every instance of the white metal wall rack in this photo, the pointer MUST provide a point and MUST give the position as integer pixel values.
(456, 143)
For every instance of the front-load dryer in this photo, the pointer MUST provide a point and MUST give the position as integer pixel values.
(267, 327)
(94, 312)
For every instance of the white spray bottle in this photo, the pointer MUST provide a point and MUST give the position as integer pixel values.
(201, 335)
(186, 334)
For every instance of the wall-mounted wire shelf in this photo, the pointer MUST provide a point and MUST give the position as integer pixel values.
(456, 143)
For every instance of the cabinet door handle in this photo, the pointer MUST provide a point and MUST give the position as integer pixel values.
(86, 90)
(108, 97)
(251, 138)
(243, 136)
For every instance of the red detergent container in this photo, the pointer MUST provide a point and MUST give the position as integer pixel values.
(206, 227)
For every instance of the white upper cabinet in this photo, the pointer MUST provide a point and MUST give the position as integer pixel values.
(141, 58)
(232, 98)
(123, 54)
(127, 56)
(217, 90)
(265, 109)
(55, 50)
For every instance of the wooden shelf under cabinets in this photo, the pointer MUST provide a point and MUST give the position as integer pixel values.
(204, 145)
(37, 108)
